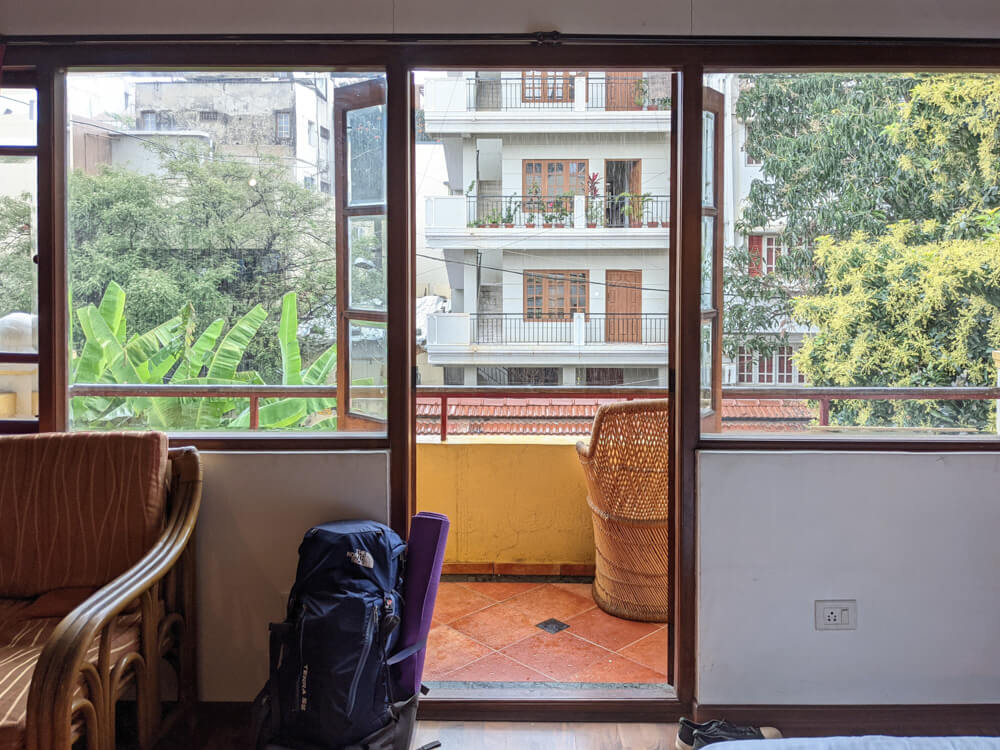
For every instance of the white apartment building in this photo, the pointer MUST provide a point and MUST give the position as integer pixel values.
(556, 278)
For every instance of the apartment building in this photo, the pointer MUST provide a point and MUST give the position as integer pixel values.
(555, 234)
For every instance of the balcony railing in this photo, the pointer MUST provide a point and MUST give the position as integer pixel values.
(595, 394)
(628, 94)
(497, 94)
(576, 329)
(554, 211)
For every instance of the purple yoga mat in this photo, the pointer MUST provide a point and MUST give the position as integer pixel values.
(424, 556)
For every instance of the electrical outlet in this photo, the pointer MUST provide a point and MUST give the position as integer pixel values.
(836, 614)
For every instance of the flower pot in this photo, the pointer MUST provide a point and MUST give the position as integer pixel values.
(560, 226)
(530, 225)
(494, 226)
(546, 226)
(508, 226)
(652, 224)
(591, 225)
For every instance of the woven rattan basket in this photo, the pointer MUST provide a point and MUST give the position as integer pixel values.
(628, 480)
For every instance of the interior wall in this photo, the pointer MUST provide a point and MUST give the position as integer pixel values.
(911, 536)
(255, 509)
(898, 18)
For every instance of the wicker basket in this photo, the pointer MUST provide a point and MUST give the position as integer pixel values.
(628, 478)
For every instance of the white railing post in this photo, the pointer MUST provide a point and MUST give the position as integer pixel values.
(579, 211)
(580, 93)
(579, 329)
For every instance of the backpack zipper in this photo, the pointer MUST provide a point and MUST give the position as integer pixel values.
(372, 618)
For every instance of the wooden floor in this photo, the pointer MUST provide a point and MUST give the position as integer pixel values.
(459, 735)
(227, 727)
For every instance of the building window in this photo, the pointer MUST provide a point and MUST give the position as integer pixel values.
(324, 186)
(283, 126)
(208, 116)
(309, 182)
(778, 368)
(546, 86)
(552, 177)
(555, 294)
(311, 133)
(765, 249)
(324, 133)
(147, 120)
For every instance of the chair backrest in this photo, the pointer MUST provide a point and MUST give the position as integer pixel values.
(626, 463)
(78, 509)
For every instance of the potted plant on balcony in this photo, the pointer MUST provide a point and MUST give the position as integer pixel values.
(641, 92)
(634, 207)
(509, 212)
(549, 214)
(493, 219)
(564, 209)
(530, 207)
(595, 209)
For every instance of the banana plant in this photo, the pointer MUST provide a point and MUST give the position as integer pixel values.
(171, 353)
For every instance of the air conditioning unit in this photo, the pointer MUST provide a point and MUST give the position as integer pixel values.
(729, 376)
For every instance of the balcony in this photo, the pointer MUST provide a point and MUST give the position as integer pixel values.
(558, 104)
(611, 339)
(571, 222)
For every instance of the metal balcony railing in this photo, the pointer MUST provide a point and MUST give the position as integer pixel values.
(626, 94)
(515, 328)
(497, 94)
(626, 328)
(822, 395)
(625, 210)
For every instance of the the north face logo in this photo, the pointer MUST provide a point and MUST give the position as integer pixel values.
(362, 558)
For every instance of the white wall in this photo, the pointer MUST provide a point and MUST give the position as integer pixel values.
(255, 509)
(931, 18)
(912, 537)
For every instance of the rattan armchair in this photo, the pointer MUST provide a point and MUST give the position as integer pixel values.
(628, 480)
(115, 642)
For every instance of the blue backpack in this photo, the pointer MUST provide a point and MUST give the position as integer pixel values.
(332, 684)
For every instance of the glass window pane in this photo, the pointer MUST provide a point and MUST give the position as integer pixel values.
(706, 364)
(366, 156)
(366, 235)
(202, 248)
(18, 117)
(369, 349)
(707, 260)
(708, 159)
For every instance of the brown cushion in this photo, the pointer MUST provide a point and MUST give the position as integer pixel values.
(21, 643)
(79, 509)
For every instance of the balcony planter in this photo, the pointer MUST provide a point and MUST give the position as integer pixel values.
(529, 225)
(591, 225)
(559, 225)
(508, 226)
(494, 226)
(652, 224)
(547, 226)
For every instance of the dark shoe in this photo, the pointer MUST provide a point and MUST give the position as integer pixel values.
(727, 732)
(687, 728)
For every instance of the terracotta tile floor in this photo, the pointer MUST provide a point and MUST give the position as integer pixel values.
(487, 632)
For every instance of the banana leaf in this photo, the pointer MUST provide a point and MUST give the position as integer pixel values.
(112, 309)
(197, 356)
(288, 337)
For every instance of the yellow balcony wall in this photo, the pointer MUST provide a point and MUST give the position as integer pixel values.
(509, 501)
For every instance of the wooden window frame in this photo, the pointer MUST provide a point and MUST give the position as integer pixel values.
(543, 188)
(41, 62)
(530, 79)
(548, 278)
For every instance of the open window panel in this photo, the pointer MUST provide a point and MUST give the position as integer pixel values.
(226, 251)
(543, 242)
(850, 294)
(18, 260)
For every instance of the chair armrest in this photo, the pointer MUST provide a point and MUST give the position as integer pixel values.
(63, 659)
(582, 449)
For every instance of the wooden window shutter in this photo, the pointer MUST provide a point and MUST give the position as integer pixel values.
(755, 243)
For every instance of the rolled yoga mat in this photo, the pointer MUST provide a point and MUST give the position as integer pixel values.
(424, 557)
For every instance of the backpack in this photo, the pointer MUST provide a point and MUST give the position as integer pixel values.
(331, 681)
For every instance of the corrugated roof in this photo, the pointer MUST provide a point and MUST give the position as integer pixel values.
(574, 416)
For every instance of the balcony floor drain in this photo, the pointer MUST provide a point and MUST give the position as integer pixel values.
(552, 625)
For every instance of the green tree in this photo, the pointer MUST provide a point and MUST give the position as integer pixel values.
(904, 310)
(17, 282)
(222, 234)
